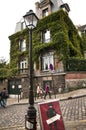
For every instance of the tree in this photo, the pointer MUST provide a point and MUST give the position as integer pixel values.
(3, 68)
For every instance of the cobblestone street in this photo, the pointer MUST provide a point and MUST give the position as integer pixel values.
(73, 111)
(12, 116)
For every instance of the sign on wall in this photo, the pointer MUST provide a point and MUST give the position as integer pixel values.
(50, 115)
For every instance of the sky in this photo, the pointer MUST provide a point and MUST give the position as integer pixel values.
(11, 11)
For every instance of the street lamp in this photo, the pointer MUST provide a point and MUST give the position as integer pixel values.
(30, 20)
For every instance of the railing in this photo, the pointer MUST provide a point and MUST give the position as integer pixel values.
(23, 71)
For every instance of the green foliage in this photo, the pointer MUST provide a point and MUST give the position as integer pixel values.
(65, 40)
(84, 42)
(75, 64)
(4, 68)
(15, 53)
(12, 72)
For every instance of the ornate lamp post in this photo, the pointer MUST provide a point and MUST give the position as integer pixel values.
(30, 119)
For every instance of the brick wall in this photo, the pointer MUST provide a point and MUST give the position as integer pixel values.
(74, 80)
(75, 75)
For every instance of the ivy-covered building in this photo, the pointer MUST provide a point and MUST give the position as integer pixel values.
(55, 40)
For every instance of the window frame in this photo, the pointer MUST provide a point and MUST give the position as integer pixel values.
(46, 60)
(46, 36)
(45, 12)
(23, 64)
(22, 45)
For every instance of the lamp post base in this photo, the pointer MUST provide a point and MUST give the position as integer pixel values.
(30, 119)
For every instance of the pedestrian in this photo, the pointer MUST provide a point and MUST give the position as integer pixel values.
(47, 91)
(4, 96)
(39, 91)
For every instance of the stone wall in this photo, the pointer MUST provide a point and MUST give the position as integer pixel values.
(75, 80)
(56, 81)
(25, 87)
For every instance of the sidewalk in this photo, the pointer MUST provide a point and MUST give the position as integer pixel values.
(73, 94)
(73, 111)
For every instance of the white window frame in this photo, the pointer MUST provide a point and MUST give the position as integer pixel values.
(47, 59)
(45, 12)
(22, 45)
(46, 36)
(23, 25)
(23, 64)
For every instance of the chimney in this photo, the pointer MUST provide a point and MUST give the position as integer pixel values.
(37, 7)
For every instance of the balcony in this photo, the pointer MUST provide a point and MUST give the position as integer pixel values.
(23, 71)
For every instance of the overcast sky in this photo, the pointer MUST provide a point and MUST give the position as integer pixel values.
(11, 11)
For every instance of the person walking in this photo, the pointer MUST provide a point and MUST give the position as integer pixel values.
(39, 91)
(47, 91)
(4, 96)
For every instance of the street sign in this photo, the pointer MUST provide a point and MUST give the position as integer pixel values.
(50, 115)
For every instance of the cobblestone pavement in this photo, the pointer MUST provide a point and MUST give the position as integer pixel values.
(73, 111)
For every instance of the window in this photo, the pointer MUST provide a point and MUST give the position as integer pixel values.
(47, 60)
(46, 36)
(85, 30)
(23, 64)
(23, 25)
(45, 12)
(22, 45)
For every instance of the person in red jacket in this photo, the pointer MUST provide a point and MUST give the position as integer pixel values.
(47, 91)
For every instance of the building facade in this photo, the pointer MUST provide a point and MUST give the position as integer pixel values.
(48, 65)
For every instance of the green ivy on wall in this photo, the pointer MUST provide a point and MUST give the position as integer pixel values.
(65, 40)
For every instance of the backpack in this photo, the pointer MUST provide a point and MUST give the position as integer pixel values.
(4, 95)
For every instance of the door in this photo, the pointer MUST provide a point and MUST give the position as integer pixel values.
(14, 86)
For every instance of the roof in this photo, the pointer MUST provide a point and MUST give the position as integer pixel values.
(82, 28)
